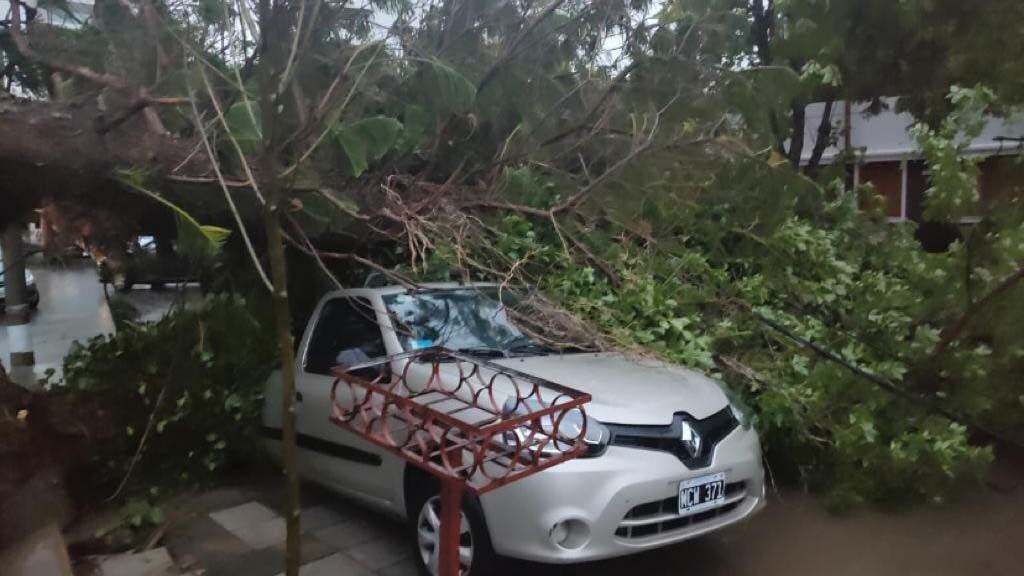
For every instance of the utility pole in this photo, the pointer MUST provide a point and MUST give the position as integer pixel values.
(19, 335)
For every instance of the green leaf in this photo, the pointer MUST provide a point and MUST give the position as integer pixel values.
(243, 120)
(232, 402)
(415, 120)
(191, 234)
(154, 515)
(200, 240)
(367, 140)
(448, 91)
(320, 213)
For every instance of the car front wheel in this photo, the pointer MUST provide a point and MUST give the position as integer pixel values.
(476, 557)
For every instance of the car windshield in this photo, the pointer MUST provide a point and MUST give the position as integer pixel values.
(473, 320)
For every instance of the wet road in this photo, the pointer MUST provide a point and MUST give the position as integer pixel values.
(796, 536)
(980, 534)
(71, 307)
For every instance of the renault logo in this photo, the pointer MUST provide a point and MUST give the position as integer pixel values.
(691, 440)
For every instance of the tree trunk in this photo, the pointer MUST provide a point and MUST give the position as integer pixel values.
(796, 138)
(824, 136)
(4, 381)
(283, 326)
(19, 334)
(49, 136)
(763, 28)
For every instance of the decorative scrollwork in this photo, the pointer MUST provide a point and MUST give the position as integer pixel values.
(460, 417)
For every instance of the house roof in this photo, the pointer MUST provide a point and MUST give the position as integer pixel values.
(886, 135)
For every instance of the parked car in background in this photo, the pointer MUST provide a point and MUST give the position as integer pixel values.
(30, 281)
(675, 455)
(144, 264)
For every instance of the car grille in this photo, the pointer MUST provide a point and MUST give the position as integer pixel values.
(662, 516)
(712, 430)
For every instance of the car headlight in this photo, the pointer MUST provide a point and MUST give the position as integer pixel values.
(595, 437)
(738, 407)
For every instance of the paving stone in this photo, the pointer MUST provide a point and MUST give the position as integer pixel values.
(337, 564)
(265, 562)
(263, 534)
(205, 541)
(243, 516)
(352, 533)
(403, 568)
(312, 547)
(318, 517)
(40, 553)
(220, 498)
(155, 562)
(382, 552)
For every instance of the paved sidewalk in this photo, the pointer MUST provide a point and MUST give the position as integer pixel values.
(239, 532)
(71, 307)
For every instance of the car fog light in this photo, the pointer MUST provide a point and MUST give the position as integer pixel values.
(570, 534)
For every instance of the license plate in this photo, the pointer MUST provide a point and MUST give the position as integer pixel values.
(701, 493)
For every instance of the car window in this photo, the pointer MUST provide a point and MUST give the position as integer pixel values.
(346, 333)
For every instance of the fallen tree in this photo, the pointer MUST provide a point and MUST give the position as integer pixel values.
(638, 191)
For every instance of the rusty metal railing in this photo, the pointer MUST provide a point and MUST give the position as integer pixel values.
(461, 417)
(474, 424)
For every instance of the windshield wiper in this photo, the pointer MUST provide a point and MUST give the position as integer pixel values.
(486, 351)
(529, 347)
(523, 344)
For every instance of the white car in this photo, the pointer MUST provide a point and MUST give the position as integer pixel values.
(680, 458)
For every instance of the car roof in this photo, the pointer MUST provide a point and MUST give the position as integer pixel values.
(399, 289)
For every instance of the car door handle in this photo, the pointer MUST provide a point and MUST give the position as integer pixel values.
(298, 396)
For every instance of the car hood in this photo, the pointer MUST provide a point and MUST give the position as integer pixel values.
(627, 390)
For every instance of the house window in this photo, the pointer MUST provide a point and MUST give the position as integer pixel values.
(887, 178)
(1001, 176)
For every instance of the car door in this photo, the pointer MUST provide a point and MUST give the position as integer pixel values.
(346, 332)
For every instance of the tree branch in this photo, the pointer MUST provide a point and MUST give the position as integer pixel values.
(928, 404)
(574, 200)
(229, 199)
(952, 333)
(23, 46)
(400, 278)
(824, 136)
(134, 108)
(796, 135)
(509, 53)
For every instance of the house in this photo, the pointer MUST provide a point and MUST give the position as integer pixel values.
(886, 155)
(70, 14)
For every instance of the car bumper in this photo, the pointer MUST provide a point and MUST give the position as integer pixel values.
(597, 494)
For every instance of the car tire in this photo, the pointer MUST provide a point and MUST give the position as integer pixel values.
(423, 491)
